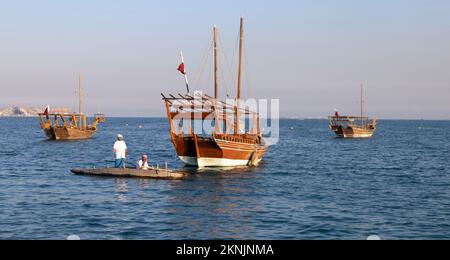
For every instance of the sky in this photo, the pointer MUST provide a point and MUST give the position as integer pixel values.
(312, 55)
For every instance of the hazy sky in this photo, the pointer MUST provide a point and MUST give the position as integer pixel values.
(312, 55)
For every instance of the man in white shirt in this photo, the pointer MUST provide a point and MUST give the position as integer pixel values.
(120, 152)
(143, 163)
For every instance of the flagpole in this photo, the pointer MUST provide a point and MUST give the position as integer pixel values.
(48, 113)
(185, 74)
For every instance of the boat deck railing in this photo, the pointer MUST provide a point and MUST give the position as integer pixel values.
(358, 121)
(244, 138)
(69, 120)
(348, 118)
(62, 114)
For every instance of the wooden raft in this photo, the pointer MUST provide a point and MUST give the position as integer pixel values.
(152, 173)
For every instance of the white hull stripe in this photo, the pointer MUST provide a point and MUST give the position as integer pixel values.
(213, 162)
(358, 136)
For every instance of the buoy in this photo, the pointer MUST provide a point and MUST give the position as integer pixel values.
(73, 237)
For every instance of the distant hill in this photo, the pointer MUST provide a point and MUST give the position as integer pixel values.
(28, 111)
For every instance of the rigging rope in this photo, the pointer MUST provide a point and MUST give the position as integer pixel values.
(233, 73)
(75, 100)
(225, 83)
(228, 79)
(198, 75)
(247, 73)
(210, 73)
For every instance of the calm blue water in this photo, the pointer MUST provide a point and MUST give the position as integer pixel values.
(310, 186)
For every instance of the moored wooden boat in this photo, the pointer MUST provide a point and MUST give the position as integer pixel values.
(353, 126)
(69, 126)
(229, 144)
(152, 173)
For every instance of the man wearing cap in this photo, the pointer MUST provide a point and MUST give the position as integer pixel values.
(120, 152)
(143, 163)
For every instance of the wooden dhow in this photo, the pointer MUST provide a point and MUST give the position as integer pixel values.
(69, 126)
(353, 126)
(228, 144)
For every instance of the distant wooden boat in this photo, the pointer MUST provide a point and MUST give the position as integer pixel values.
(66, 126)
(353, 126)
(229, 145)
(152, 173)
(69, 126)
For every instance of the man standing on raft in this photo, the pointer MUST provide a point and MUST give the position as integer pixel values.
(120, 152)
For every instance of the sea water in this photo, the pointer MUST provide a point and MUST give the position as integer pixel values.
(309, 186)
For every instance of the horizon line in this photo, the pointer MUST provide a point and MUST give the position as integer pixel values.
(281, 118)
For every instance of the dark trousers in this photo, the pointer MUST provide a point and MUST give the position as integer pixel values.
(120, 163)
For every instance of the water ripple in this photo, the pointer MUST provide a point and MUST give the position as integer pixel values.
(310, 186)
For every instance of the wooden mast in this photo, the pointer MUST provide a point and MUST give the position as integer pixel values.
(216, 63)
(362, 105)
(80, 93)
(216, 76)
(83, 122)
(238, 97)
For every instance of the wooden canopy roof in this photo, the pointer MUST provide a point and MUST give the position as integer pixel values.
(201, 104)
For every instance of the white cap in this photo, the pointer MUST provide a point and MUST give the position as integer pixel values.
(120, 136)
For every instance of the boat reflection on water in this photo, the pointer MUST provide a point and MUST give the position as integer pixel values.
(226, 172)
(218, 195)
(181, 206)
(122, 189)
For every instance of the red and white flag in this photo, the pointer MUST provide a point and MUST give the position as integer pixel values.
(182, 69)
(47, 112)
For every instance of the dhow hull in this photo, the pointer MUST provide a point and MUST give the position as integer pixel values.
(213, 153)
(65, 133)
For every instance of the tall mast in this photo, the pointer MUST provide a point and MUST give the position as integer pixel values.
(238, 97)
(80, 92)
(216, 62)
(241, 46)
(362, 101)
